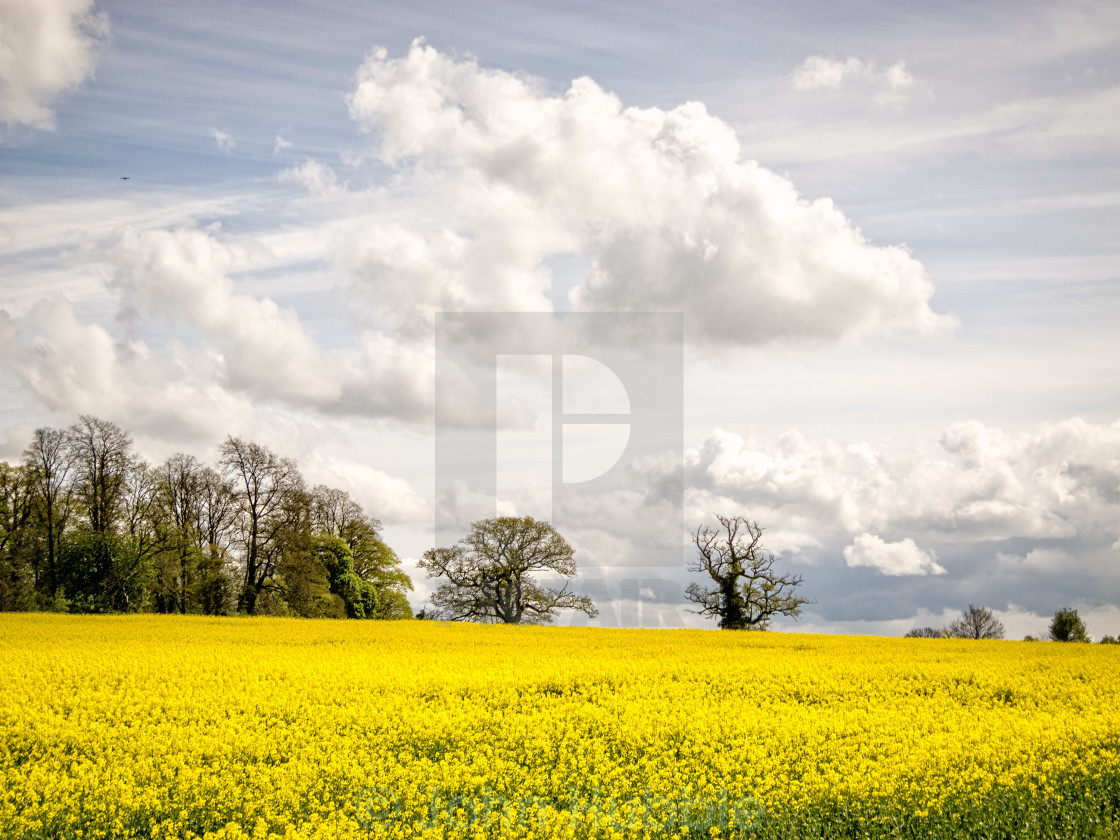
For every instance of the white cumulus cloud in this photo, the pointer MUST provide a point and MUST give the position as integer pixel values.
(183, 274)
(72, 367)
(662, 203)
(388, 498)
(1058, 482)
(891, 558)
(47, 47)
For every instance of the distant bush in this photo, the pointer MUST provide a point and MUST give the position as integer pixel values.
(925, 633)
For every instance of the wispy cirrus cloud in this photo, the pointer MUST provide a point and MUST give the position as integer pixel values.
(316, 177)
(224, 140)
(818, 72)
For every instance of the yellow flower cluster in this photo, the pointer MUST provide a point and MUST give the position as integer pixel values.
(155, 726)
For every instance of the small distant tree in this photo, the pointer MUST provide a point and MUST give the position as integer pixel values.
(1030, 638)
(1067, 626)
(746, 590)
(926, 633)
(1109, 640)
(489, 574)
(976, 623)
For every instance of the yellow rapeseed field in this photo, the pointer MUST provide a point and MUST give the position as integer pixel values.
(151, 726)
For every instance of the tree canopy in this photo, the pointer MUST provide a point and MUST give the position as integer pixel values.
(1067, 626)
(87, 525)
(489, 574)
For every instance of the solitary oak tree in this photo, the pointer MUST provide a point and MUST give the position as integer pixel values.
(489, 574)
(746, 591)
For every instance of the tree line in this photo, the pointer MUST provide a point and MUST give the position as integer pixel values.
(981, 623)
(86, 525)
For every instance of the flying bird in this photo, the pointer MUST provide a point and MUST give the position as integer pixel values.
(125, 177)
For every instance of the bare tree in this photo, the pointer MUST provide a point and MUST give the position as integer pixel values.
(217, 513)
(217, 518)
(926, 633)
(334, 513)
(142, 522)
(746, 591)
(265, 485)
(100, 454)
(976, 623)
(489, 574)
(179, 495)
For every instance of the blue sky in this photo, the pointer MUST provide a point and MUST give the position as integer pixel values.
(891, 228)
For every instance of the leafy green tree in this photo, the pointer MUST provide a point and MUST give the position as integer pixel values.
(213, 588)
(489, 574)
(1109, 640)
(101, 573)
(335, 514)
(17, 575)
(746, 590)
(1067, 626)
(315, 575)
(301, 585)
(359, 596)
(375, 562)
(976, 623)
